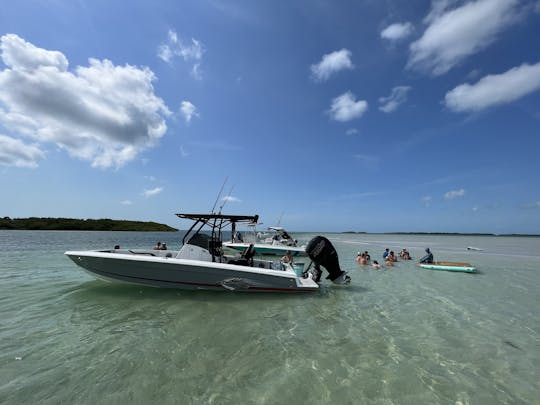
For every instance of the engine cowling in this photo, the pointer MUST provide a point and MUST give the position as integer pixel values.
(322, 253)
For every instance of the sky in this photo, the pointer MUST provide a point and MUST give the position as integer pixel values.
(323, 115)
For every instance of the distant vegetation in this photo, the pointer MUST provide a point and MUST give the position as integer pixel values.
(448, 233)
(72, 224)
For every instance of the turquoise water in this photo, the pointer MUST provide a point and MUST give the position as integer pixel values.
(399, 335)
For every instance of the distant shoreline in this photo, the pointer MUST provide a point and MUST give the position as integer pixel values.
(443, 233)
(74, 224)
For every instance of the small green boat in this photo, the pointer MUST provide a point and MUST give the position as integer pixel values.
(449, 266)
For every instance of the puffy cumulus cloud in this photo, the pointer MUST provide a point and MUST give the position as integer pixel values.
(450, 195)
(495, 90)
(332, 63)
(17, 52)
(14, 152)
(188, 110)
(152, 191)
(101, 113)
(191, 51)
(397, 97)
(397, 31)
(454, 34)
(345, 107)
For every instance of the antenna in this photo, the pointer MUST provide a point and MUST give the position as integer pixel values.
(281, 216)
(219, 194)
(226, 199)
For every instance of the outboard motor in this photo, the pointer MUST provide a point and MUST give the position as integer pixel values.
(322, 253)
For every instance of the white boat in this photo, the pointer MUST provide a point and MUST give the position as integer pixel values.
(474, 248)
(275, 242)
(201, 264)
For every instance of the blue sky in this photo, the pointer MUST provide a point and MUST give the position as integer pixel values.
(370, 115)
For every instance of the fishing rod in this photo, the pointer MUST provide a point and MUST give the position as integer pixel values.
(219, 195)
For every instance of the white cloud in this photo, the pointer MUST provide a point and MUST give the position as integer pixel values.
(102, 113)
(450, 195)
(438, 8)
(397, 31)
(191, 51)
(126, 202)
(14, 152)
(196, 71)
(397, 97)
(230, 198)
(332, 63)
(345, 107)
(352, 131)
(188, 110)
(152, 191)
(453, 35)
(494, 90)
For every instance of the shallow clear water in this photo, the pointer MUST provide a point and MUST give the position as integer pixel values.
(399, 335)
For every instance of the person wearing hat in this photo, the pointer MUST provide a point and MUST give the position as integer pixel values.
(428, 258)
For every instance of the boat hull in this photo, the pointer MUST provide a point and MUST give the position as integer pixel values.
(188, 274)
(449, 266)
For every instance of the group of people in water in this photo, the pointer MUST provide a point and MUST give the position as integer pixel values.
(160, 246)
(390, 258)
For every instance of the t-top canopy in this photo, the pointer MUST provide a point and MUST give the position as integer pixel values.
(225, 217)
(217, 222)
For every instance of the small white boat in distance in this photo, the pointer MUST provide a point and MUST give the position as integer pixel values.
(276, 242)
(474, 248)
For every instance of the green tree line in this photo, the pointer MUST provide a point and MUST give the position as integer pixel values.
(73, 224)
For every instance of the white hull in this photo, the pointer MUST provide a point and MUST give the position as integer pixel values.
(169, 272)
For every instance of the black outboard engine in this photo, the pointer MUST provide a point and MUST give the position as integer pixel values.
(322, 253)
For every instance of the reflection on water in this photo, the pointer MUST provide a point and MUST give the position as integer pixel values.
(396, 335)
